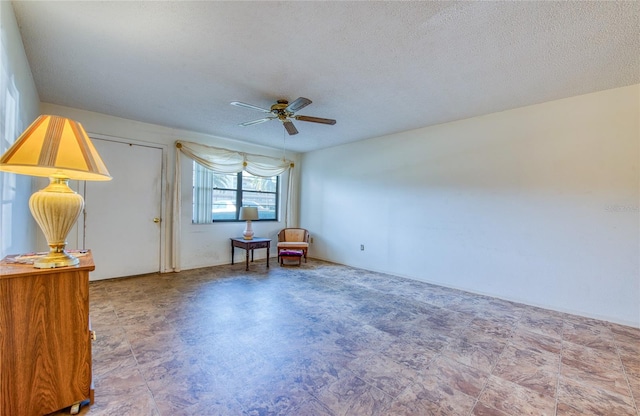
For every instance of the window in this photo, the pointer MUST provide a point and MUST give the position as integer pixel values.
(219, 196)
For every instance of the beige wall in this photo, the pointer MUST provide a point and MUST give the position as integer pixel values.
(537, 204)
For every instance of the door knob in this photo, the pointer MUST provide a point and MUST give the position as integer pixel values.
(156, 220)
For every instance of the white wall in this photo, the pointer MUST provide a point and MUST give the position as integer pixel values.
(202, 245)
(18, 108)
(537, 204)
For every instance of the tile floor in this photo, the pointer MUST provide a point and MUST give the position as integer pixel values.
(325, 339)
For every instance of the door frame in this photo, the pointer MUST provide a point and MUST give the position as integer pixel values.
(165, 224)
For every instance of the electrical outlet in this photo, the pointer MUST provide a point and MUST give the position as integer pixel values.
(361, 247)
(311, 240)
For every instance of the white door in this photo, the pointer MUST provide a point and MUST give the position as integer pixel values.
(122, 217)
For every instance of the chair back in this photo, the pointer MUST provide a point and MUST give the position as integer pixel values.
(294, 235)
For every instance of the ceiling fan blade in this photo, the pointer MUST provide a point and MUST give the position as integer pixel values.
(251, 123)
(252, 107)
(298, 104)
(315, 119)
(291, 129)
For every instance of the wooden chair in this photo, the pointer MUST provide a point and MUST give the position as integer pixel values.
(293, 239)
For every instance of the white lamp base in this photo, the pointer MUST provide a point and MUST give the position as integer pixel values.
(56, 209)
(248, 231)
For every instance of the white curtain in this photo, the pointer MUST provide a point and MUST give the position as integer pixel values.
(225, 161)
(203, 193)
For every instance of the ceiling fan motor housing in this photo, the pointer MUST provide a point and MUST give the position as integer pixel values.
(280, 110)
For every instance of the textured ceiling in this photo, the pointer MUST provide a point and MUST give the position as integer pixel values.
(376, 67)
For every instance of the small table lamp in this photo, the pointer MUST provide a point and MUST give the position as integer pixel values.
(248, 214)
(60, 149)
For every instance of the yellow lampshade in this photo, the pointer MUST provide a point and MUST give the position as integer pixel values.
(55, 145)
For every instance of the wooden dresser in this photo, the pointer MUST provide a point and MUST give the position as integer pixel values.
(45, 340)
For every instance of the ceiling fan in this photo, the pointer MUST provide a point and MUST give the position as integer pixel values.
(284, 112)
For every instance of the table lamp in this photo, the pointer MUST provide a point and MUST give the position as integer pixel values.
(58, 148)
(248, 214)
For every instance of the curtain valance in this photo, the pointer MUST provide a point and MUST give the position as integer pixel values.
(229, 161)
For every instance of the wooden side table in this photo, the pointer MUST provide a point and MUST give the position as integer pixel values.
(45, 339)
(250, 245)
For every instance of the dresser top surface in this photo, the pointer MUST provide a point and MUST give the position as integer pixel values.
(10, 268)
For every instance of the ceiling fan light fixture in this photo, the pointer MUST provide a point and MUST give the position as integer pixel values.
(285, 112)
